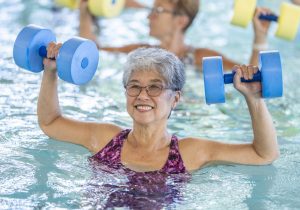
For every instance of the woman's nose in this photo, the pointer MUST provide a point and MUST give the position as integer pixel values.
(143, 94)
(151, 14)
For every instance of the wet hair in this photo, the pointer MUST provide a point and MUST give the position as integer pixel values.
(186, 7)
(156, 59)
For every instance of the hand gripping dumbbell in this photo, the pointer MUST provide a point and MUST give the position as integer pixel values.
(288, 20)
(103, 8)
(76, 62)
(269, 74)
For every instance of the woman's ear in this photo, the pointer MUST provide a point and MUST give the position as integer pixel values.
(182, 21)
(176, 99)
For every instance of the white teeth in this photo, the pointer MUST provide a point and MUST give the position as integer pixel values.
(144, 108)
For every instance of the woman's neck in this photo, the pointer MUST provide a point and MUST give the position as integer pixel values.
(175, 44)
(149, 138)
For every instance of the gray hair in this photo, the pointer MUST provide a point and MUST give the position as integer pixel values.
(149, 59)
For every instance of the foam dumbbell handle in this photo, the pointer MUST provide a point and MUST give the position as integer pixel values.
(228, 78)
(268, 17)
(43, 52)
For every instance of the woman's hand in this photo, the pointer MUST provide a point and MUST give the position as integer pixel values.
(261, 27)
(52, 53)
(133, 4)
(248, 89)
(296, 2)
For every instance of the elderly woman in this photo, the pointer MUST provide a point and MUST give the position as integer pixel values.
(153, 80)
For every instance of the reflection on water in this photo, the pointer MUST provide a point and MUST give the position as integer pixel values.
(37, 172)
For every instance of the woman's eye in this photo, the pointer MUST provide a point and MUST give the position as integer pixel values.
(134, 87)
(154, 87)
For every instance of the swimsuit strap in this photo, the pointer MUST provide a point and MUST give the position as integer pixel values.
(174, 162)
(111, 153)
(189, 58)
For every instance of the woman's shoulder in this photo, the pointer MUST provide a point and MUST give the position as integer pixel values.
(194, 55)
(186, 141)
(126, 48)
(199, 53)
(191, 145)
(193, 152)
(102, 134)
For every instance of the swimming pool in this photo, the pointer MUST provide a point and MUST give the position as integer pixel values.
(37, 172)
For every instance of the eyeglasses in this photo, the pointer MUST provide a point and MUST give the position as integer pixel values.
(159, 10)
(152, 90)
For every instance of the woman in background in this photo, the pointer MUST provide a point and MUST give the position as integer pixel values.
(168, 22)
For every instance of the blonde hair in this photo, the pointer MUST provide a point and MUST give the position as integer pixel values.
(186, 7)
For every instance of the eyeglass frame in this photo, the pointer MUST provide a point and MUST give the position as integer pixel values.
(160, 10)
(147, 89)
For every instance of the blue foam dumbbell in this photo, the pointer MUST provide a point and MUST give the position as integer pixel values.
(76, 62)
(269, 74)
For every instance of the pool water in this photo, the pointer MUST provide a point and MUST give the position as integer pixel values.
(38, 172)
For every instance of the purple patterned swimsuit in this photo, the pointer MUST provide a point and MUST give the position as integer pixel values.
(111, 154)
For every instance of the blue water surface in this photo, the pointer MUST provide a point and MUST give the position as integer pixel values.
(37, 172)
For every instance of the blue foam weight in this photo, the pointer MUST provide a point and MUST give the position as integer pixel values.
(77, 61)
(271, 74)
(213, 80)
(27, 45)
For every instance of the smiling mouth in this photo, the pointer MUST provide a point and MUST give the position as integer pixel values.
(143, 107)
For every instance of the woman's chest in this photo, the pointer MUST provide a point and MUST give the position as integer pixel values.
(144, 161)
